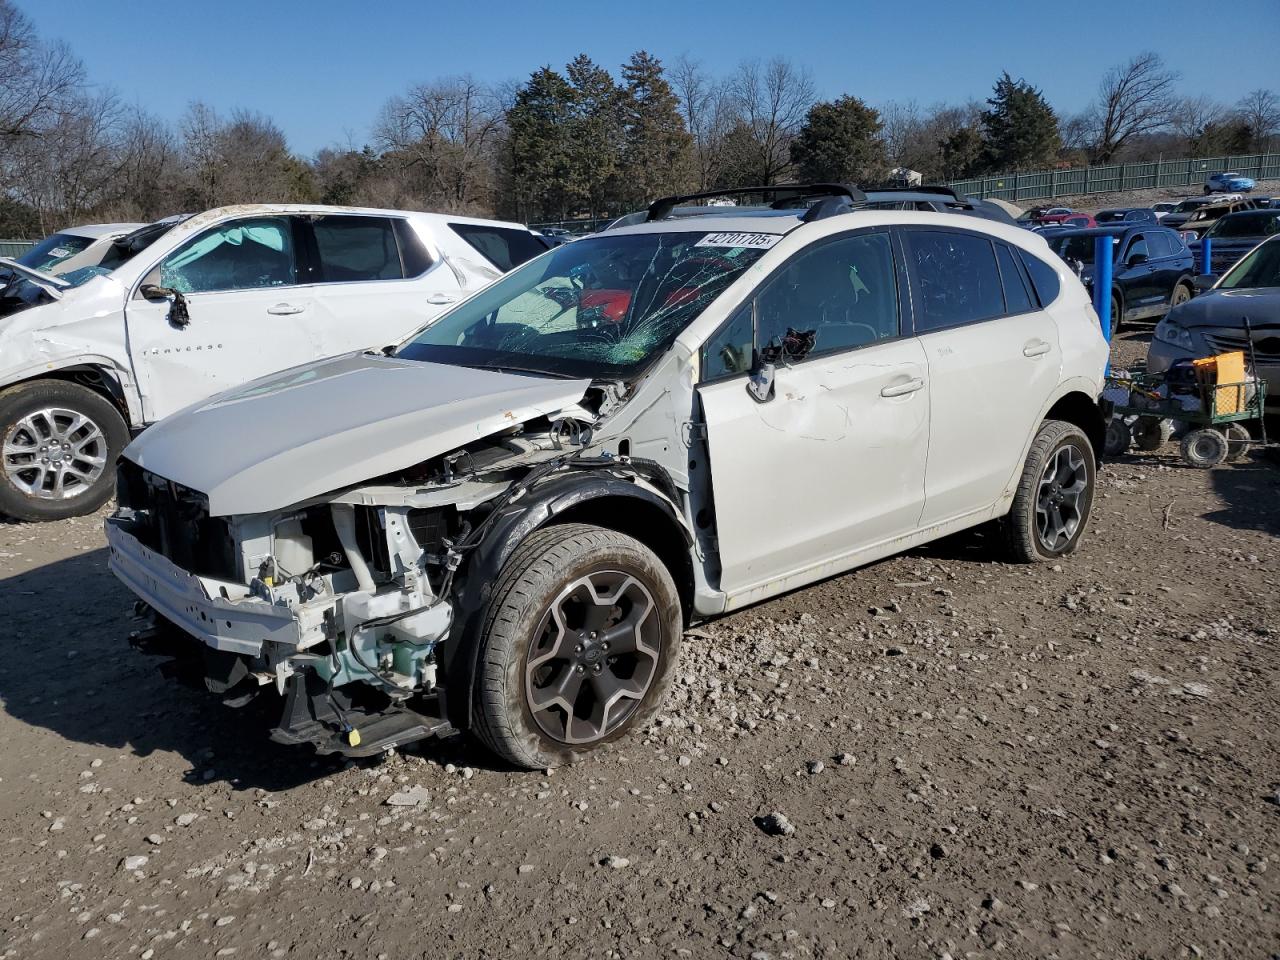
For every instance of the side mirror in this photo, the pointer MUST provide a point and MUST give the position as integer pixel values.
(760, 383)
(1136, 259)
(1203, 281)
(179, 316)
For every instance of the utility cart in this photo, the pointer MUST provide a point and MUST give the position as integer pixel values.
(1212, 396)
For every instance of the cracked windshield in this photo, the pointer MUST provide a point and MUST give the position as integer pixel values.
(599, 307)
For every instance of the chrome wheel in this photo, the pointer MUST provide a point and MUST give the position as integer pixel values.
(593, 658)
(1060, 499)
(54, 453)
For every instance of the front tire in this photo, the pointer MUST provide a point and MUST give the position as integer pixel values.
(1051, 508)
(58, 446)
(578, 645)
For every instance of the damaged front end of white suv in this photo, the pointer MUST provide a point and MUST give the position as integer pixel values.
(344, 602)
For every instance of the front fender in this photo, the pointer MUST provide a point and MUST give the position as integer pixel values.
(513, 524)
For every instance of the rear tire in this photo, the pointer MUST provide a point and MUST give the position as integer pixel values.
(1051, 508)
(1240, 441)
(1119, 437)
(59, 443)
(579, 644)
(1117, 314)
(1151, 433)
(1181, 294)
(1204, 448)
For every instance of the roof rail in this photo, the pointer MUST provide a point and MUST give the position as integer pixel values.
(783, 192)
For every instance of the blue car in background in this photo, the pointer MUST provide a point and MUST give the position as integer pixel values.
(1228, 183)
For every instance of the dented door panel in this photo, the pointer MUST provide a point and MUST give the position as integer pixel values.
(834, 463)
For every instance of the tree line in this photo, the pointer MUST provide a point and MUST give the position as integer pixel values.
(573, 142)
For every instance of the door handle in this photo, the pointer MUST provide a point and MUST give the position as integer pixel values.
(440, 299)
(1036, 348)
(903, 388)
(284, 309)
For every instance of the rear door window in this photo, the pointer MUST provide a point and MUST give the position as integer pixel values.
(1044, 279)
(504, 247)
(354, 249)
(1017, 298)
(956, 278)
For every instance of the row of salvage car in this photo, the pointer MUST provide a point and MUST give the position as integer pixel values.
(503, 520)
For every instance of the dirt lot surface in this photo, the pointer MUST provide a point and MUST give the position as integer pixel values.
(969, 759)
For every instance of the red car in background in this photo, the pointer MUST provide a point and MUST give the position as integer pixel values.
(1055, 217)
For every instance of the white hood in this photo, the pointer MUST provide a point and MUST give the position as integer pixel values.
(335, 423)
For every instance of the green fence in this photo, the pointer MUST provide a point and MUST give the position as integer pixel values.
(1117, 177)
(14, 248)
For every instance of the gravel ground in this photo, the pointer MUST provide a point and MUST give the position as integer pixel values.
(936, 756)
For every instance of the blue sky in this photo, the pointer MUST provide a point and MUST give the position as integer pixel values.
(322, 69)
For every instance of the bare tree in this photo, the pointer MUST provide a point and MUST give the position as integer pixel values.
(1134, 98)
(1260, 110)
(444, 134)
(708, 110)
(1193, 115)
(72, 166)
(36, 79)
(771, 100)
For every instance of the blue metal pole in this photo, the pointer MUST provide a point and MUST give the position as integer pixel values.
(1102, 247)
(1206, 255)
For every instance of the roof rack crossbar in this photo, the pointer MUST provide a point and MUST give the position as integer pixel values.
(939, 189)
(663, 206)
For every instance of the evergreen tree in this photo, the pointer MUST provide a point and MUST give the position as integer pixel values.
(962, 154)
(656, 144)
(539, 146)
(1020, 129)
(595, 134)
(840, 143)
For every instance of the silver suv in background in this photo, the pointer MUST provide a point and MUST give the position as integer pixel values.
(193, 305)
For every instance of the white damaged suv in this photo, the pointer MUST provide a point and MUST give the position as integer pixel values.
(188, 306)
(505, 523)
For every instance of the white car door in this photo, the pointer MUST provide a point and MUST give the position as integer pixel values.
(247, 314)
(833, 460)
(374, 282)
(994, 360)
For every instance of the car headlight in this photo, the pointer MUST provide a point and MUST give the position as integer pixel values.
(1170, 331)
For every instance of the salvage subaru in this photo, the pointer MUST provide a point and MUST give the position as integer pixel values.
(505, 523)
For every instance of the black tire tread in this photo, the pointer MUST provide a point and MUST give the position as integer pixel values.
(1019, 542)
(540, 559)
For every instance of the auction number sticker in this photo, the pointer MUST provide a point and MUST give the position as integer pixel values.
(754, 241)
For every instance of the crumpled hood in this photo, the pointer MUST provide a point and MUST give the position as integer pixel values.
(1225, 308)
(330, 424)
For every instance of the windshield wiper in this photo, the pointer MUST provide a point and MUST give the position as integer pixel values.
(509, 368)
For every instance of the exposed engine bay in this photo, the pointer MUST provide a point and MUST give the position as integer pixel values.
(345, 603)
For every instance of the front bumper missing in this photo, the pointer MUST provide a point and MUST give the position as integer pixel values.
(221, 614)
(225, 617)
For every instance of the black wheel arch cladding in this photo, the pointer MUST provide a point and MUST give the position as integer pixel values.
(548, 502)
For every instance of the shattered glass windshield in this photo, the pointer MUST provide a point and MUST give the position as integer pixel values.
(601, 307)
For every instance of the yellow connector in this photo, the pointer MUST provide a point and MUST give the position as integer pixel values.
(353, 737)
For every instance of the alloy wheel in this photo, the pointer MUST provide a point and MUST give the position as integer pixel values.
(54, 453)
(594, 656)
(1060, 499)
